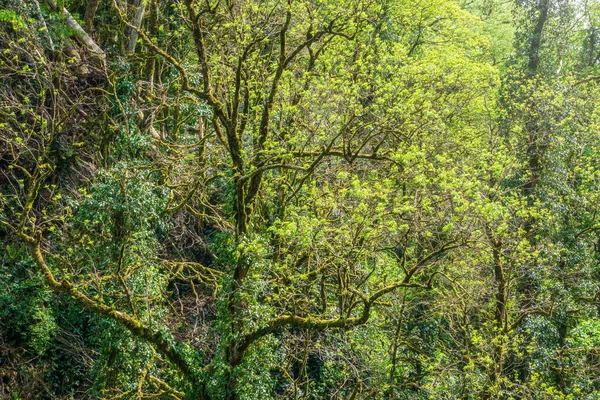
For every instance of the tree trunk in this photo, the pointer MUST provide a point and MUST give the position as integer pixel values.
(90, 14)
(536, 37)
(137, 23)
(79, 33)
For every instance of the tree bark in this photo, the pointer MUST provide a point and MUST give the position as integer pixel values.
(80, 34)
(90, 14)
(137, 23)
(536, 37)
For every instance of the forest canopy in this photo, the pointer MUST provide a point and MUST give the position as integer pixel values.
(299, 199)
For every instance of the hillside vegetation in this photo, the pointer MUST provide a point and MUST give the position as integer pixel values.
(299, 199)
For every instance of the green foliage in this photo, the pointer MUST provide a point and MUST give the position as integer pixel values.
(299, 200)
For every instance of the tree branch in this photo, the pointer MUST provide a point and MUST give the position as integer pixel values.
(80, 34)
(136, 327)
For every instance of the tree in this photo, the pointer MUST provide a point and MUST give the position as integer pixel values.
(265, 141)
(298, 199)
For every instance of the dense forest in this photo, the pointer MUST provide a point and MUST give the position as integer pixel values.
(299, 199)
